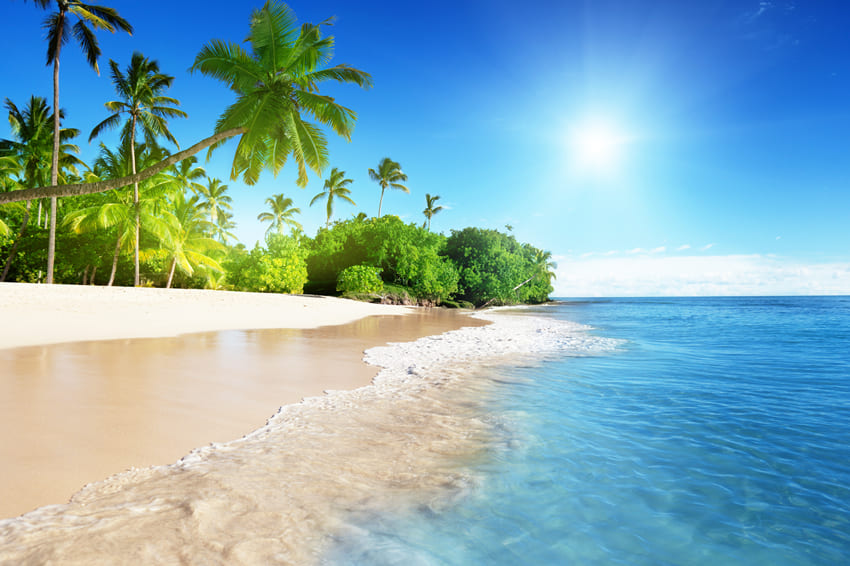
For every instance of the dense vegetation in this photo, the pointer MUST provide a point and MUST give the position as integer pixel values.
(140, 215)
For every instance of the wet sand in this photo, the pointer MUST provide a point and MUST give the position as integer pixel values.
(79, 412)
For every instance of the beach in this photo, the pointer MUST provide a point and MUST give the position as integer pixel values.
(282, 491)
(84, 408)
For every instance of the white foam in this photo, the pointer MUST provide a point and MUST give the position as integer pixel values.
(277, 493)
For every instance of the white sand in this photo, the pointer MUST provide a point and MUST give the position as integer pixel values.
(47, 314)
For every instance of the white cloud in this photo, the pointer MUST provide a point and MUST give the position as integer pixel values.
(636, 251)
(646, 275)
(706, 247)
(683, 248)
(660, 249)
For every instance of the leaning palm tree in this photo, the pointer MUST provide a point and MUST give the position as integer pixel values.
(281, 214)
(59, 31)
(335, 186)
(146, 108)
(275, 82)
(31, 151)
(389, 174)
(430, 209)
(214, 200)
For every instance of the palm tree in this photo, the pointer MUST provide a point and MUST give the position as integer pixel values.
(145, 106)
(430, 209)
(335, 186)
(32, 152)
(117, 209)
(221, 230)
(59, 31)
(187, 173)
(188, 243)
(281, 214)
(215, 201)
(389, 174)
(274, 82)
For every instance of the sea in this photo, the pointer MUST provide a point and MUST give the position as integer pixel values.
(656, 431)
(716, 431)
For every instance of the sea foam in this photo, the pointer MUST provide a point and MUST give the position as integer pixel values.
(280, 494)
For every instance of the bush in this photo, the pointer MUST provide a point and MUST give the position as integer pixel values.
(278, 269)
(360, 279)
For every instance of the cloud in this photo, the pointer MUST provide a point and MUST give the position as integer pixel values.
(660, 249)
(636, 251)
(698, 275)
(683, 247)
(706, 247)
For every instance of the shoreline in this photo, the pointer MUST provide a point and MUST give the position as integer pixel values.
(297, 484)
(77, 410)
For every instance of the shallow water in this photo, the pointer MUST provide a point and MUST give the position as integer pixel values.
(280, 494)
(717, 433)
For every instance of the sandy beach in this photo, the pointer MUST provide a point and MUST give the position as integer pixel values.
(49, 314)
(77, 408)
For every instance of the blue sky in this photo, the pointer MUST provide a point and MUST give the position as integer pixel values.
(731, 119)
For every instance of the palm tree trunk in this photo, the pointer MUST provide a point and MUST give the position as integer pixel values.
(79, 189)
(93, 271)
(54, 167)
(380, 202)
(171, 272)
(135, 204)
(86, 275)
(14, 249)
(114, 261)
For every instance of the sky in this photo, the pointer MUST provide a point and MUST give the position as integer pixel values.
(654, 147)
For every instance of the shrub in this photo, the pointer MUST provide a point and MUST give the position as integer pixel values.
(360, 279)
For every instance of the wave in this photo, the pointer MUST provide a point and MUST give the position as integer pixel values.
(281, 493)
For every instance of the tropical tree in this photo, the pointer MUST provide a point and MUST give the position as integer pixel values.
(187, 242)
(32, 153)
(336, 185)
(430, 209)
(117, 210)
(223, 226)
(275, 81)
(281, 214)
(59, 30)
(389, 174)
(146, 109)
(214, 200)
(187, 173)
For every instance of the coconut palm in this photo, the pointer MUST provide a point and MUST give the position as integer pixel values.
(187, 173)
(59, 31)
(281, 214)
(389, 174)
(214, 200)
(146, 109)
(336, 186)
(187, 242)
(221, 230)
(32, 152)
(275, 82)
(430, 209)
(117, 210)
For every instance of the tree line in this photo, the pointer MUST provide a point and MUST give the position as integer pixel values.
(140, 214)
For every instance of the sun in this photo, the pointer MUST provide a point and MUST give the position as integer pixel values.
(597, 145)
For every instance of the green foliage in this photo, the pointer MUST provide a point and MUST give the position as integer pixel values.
(495, 268)
(360, 279)
(278, 269)
(407, 254)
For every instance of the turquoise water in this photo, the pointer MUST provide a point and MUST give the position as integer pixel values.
(718, 433)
